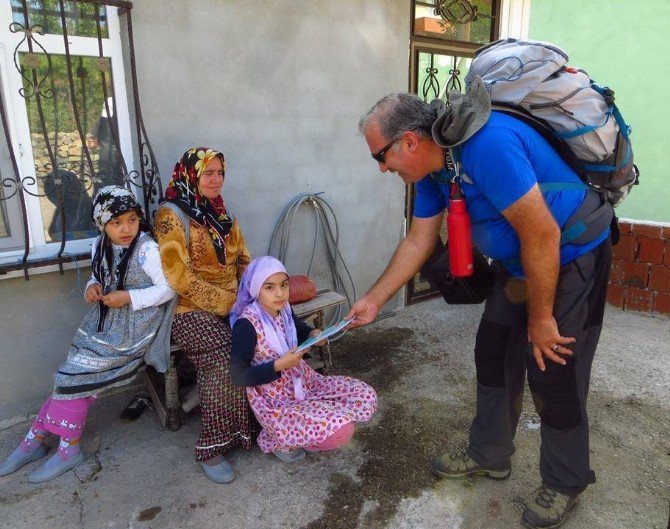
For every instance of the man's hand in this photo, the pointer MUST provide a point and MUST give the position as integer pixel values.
(116, 299)
(547, 341)
(411, 253)
(365, 310)
(93, 293)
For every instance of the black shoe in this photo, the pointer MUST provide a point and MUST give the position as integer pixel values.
(136, 407)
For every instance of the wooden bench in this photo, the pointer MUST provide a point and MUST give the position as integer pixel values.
(164, 391)
(314, 308)
(164, 388)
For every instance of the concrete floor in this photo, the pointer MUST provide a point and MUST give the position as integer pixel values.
(139, 475)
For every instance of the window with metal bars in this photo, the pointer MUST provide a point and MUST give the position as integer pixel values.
(66, 126)
(444, 37)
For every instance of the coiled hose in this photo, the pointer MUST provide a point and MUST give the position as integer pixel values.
(325, 222)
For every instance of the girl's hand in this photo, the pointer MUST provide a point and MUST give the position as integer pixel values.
(116, 299)
(323, 342)
(289, 360)
(93, 293)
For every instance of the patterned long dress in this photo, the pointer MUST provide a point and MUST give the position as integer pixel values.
(201, 329)
(330, 401)
(104, 359)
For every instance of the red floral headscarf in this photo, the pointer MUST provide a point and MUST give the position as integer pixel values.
(183, 191)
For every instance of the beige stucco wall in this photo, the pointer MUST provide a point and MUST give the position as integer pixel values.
(37, 321)
(280, 90)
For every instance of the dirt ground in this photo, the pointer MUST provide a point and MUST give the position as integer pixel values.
(420, 362)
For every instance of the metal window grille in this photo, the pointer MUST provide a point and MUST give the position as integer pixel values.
(74, 128)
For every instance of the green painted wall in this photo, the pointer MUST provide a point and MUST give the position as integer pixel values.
(624, 44)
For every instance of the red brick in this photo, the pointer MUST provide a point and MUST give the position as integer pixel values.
(666, 259)
(640, 300)
(616, 295)
(635, 274)
(666, 232)
(625, 249)
(662, 303)
(616, 272)
(648, 230)
(625, 227)
(650, 250)
(659, 279)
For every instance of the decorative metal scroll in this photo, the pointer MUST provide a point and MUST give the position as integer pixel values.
(431, 82)
(454, 82)
(471, 23)
(456, 11)
(74, 131)
(430, 88)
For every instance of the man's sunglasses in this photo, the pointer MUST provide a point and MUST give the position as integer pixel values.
(379, 155)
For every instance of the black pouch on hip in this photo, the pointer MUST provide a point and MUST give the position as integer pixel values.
(462, 290)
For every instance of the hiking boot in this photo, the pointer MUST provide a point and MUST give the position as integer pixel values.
(459, 464)
(547, 508)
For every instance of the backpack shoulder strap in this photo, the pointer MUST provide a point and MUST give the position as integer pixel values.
(452, 170)
(182, 217)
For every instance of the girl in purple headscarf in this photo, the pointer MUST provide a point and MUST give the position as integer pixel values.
(298, 408)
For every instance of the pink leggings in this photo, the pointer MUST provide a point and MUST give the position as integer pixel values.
(65, 418)
(337, 439)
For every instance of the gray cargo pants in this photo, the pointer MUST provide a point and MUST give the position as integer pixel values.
(503, 356)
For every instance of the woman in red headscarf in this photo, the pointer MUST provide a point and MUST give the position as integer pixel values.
(205, 273)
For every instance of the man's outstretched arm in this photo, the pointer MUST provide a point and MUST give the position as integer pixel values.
(411, 253)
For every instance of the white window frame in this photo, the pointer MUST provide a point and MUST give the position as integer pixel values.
(514, 18)
(18, 118)
(12, 208)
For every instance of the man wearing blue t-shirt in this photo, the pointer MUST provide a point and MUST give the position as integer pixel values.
(545, 311)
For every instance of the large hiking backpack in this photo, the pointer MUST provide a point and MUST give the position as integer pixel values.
(530, 80)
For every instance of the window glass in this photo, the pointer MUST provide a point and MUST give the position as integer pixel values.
(11, 229)
(4, 225)
(439, 73)
(66, 180)
(456, 20)
(79, 17)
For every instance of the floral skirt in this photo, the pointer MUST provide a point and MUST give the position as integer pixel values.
(330, 403)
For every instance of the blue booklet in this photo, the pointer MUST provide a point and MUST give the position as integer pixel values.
(333, 329)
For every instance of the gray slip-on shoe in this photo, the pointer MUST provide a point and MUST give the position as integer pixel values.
(54, 467)
(290, 456)
(221, 473)
(19, 458)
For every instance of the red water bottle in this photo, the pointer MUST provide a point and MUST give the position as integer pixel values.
(459, 236)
